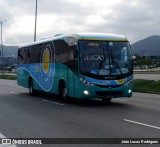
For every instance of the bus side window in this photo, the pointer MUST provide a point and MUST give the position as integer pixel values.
(27, 55)
(61, 51)
(71, 55)
(20, 59)
(33, 54)
(75, 59)
(75, 53)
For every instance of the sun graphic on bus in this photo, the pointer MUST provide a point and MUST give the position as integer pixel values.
(46, 59)
(46, 77)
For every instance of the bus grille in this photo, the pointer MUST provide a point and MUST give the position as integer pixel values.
(109, 93)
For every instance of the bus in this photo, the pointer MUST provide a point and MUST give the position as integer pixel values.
(80, 65)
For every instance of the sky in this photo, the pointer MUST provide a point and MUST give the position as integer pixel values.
(135, 19)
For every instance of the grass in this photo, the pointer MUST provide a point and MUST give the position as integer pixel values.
(149, 86)
(8, 77)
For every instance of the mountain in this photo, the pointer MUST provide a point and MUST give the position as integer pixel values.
(9, 51)
(149, 46)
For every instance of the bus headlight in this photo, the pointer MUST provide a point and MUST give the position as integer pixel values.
(86, 82)
(86, 92)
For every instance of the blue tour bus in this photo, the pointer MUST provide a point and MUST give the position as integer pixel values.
(82, 65)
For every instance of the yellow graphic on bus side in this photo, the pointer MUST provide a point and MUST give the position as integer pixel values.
(45, 60)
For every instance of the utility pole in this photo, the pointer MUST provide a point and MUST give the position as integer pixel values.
(35, 29)
(158, 22)
(1, 22)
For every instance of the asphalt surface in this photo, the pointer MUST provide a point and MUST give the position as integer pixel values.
(45, 116)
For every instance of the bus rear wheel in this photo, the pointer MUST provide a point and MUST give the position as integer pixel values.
(106, 100)
(63, 93)
(31, 89)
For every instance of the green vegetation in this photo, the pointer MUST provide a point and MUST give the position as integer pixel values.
(8, 77)
(149, 86)
(146, 62)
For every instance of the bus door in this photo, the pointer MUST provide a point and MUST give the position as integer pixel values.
(72, 71)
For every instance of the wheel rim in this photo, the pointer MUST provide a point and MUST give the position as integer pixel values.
(30, 91)
(107, 99)
(30, 88)
(64, 93)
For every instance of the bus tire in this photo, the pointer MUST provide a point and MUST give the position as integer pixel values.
(63, 92)
(30, 87)
(106, 100)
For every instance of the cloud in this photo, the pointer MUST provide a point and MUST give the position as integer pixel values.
(135, 19)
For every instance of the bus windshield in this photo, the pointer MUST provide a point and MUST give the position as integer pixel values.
(105, 58)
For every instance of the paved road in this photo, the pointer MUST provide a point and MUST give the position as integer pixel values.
(23, 116)
(155, 77)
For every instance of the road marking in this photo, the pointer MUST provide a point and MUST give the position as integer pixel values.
(13, 92)
(139, 123)
(2, 136)
(5, 145)
(53, 102)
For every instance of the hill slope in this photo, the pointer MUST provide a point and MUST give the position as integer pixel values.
(149, 46)
(9, 51)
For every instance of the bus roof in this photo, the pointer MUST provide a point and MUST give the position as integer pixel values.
(81, 36)
(99, 36)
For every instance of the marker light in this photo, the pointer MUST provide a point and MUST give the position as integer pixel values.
(86, 92)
